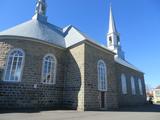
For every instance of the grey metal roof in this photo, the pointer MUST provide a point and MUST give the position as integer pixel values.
(125, 63)
(73, 35)
(47, 32)
(39, 30)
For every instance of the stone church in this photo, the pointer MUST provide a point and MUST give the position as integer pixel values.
(48, 67)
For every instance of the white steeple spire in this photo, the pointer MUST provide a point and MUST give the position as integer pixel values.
(112, 25)
(113, 37)
(40, 11)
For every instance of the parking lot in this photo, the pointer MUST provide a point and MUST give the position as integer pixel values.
(129, 113)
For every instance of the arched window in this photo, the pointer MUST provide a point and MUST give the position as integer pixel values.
(133, 86)
(124, 84)
(14, 65)
(102, 75)
(140, 86)
(49, 69)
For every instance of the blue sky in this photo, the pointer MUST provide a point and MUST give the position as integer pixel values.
(138, 22)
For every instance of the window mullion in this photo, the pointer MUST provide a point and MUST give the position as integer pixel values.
(51, 75)
(51, 72)
(101, 82)
(104, 79)
(16, 67)
(98, 78)
(46, 72)
(11, 67)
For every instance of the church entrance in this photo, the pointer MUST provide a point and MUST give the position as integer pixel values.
(102, 100)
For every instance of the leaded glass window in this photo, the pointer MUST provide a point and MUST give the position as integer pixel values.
(49, 69)
(102, 75)
(124, 84)
(14, 66)
(133, 86)
(140, 86)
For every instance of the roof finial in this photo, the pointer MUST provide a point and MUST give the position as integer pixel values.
(110, 5)
(40, 12)
(41, 7)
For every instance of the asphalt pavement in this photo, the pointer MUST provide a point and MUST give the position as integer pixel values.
(147, 112)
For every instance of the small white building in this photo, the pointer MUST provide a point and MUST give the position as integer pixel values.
(156, 95)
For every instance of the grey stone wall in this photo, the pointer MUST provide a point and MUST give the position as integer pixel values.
(74, 78)
(23, 94)
(92, 94)
(1, 74)
(81, 81)
(129, 99)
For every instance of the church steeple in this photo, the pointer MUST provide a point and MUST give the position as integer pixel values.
(112, 25)
(40, 11)
(113, 37)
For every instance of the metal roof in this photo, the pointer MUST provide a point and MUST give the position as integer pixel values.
(125, 63)
(47, 32)
(39, 30)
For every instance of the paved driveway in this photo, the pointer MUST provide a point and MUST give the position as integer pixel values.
(137, 113)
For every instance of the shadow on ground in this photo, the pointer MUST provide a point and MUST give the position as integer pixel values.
(144, 108)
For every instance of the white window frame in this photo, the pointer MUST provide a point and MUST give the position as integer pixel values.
(140, 86)
(54, 71)
(102, 85)
(7, 63)
(133, 86)
(123, 84)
